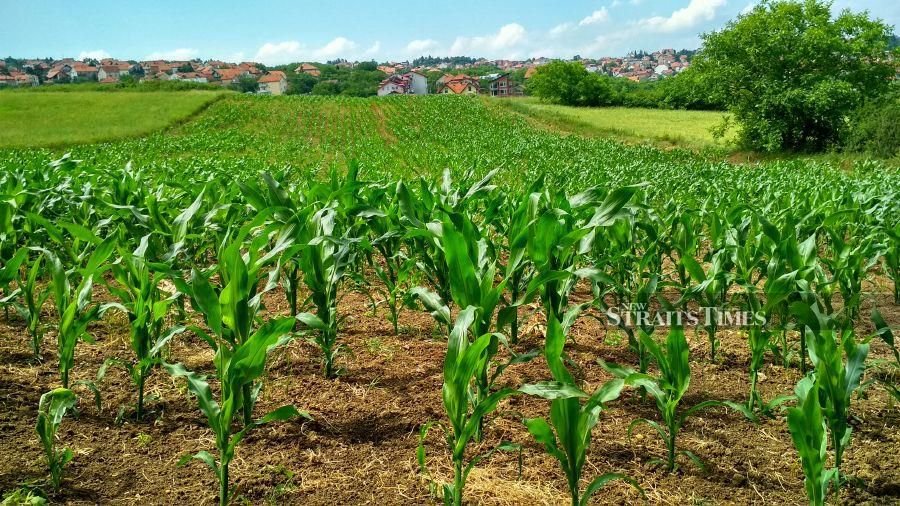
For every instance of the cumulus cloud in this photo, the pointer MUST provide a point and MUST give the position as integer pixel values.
(598, 16)
(175, 54)
(501, 44)
(421, 46)
(277, 53)
(696, 12)
(373, 49)
(560, 29)
(96, 54)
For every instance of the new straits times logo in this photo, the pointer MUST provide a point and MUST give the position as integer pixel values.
(639, 315)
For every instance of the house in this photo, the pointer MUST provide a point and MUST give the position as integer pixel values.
(308, 69)
(84, 72)
(60, 73)
(230, 76)
(273, 83)
(461, 84)
(194, 77)
(252, 68)
(387, 70)
(410, 83)
(18, 79)
(498, 85)
(106, 72)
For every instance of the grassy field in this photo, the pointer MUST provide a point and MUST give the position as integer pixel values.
(58, 119)
(689, 129)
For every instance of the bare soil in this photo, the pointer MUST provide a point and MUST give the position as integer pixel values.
(361, 446)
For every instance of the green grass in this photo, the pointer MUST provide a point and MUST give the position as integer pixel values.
(662, 127)
(61, 119)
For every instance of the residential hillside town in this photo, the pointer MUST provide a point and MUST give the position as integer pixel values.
(424, 75)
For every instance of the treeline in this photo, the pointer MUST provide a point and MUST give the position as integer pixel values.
(360, 80)
(824, 83)
(127, 83)
(568, 83)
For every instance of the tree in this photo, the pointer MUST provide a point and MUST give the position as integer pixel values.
(568, 83)
(326, 88)
(791, 75)
(300, 84)
(246, 84)
(186, 68)
(558, 82)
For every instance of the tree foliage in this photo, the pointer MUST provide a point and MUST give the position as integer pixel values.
(569, 83)
(791, 74)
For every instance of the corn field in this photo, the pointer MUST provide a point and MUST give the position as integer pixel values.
(308, 294)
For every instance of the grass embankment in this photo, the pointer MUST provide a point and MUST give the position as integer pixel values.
(60, 119)
(660, 127)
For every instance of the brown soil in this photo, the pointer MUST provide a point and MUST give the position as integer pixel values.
(360, 448)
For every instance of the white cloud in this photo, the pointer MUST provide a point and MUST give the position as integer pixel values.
(337, 47)
(97, 54)
(419, 47)
(501, 44)
(175, 54)
(748, 8)
(560, 29)
(598, 16)
(615, 3)
(687, 17)
(373, 49)
(289, 51)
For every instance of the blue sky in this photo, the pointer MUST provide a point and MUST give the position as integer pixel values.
(281, 31)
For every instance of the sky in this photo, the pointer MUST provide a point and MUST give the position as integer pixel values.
(282, 31)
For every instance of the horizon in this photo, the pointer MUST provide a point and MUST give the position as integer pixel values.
(536, 29)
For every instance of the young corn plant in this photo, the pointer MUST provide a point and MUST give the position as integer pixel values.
(325, 223)
(237, 369)
(808, 431)
(518, 269)
(9, 273)
(326, 261)
(33, 299)
(667, 390)
(51, 410)
(422, 214)
(74, 307)
(884, 332)
(473, 284)
(230, 308)
(141, 299)
(839, 362)
(464, 409)
(891, 252)
(394, 267)
(567, 436)
(709, 291)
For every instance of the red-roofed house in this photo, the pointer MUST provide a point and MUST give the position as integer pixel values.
(457, 85)
(273, 83)
(84, 72)
(307, 68)
(230, 76)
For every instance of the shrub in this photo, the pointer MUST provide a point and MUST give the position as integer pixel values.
(873, 127)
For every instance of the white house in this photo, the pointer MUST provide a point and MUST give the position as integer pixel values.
(410, 83)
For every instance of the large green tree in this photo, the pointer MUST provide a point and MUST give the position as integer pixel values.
(791, 73)
(568, 83)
